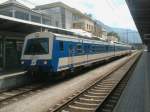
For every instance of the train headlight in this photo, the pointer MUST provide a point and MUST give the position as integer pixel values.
(45, 62)
(22, 62)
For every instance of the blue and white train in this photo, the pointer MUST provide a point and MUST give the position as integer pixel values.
(51, 52)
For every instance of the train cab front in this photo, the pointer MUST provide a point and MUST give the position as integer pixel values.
(36, 55)
(36, 65)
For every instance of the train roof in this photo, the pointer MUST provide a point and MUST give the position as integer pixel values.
(121, 43)
(78, 39)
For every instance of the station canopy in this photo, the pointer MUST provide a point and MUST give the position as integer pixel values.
(140, 10)
(13, 26)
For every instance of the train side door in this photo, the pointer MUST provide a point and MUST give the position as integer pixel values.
(70, 58)
(86, 51)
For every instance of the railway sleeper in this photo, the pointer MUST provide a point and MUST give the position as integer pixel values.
(99, 85)
(94, 96)
(84, 105)
(89, 101)
(79, 108)
(97, 93)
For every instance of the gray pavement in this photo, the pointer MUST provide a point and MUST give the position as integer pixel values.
(136, 96)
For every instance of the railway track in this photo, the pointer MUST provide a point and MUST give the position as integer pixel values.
(102, 95)
(10, 96)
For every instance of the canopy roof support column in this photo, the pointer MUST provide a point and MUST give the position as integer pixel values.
(148, 47)
(4, 52)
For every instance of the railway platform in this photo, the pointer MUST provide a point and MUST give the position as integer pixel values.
(11, 79)
(136, 96)
(7, 72)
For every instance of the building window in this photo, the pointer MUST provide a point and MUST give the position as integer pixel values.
(46, 21)
(61, 45)
(35, 19)
(57, 23)
(6, 12)
(79, 48)
(22, 15)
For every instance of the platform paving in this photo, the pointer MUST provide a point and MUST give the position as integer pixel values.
(136, 96)
(8, 71)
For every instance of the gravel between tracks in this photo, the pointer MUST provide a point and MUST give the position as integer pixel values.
(43, 100)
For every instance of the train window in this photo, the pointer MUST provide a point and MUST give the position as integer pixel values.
(61, 45)
(101, 48)
(79, 48)
(93, 48)
(38, 46)
(96, 48)
(85, 48)
(1, 48)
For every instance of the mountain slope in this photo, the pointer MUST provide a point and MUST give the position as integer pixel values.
(125, 34)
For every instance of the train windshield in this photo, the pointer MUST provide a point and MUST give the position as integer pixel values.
(37, 46)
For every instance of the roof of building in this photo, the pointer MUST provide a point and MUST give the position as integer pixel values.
(14, 2)
(61, 4)
(18, 4)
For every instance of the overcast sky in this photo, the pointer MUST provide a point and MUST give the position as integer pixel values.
(114, 13)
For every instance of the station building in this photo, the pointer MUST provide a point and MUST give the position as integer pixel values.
(67, 17)
(18, 20)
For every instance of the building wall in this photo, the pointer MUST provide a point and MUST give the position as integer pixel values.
(55, 14)
(89, 26)
(67, 17)
(97, 31)
(61, 17)
(104, 34)
(84, 24)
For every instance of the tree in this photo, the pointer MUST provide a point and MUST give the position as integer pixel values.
(114, 34)
(89, 15)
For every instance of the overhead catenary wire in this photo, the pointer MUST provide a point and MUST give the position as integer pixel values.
(115, 6)
(111, 5)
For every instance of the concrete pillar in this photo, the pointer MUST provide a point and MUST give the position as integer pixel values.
(29, 16)
(4, 52)
(148, 47)
(13, 12)
(41, 19)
